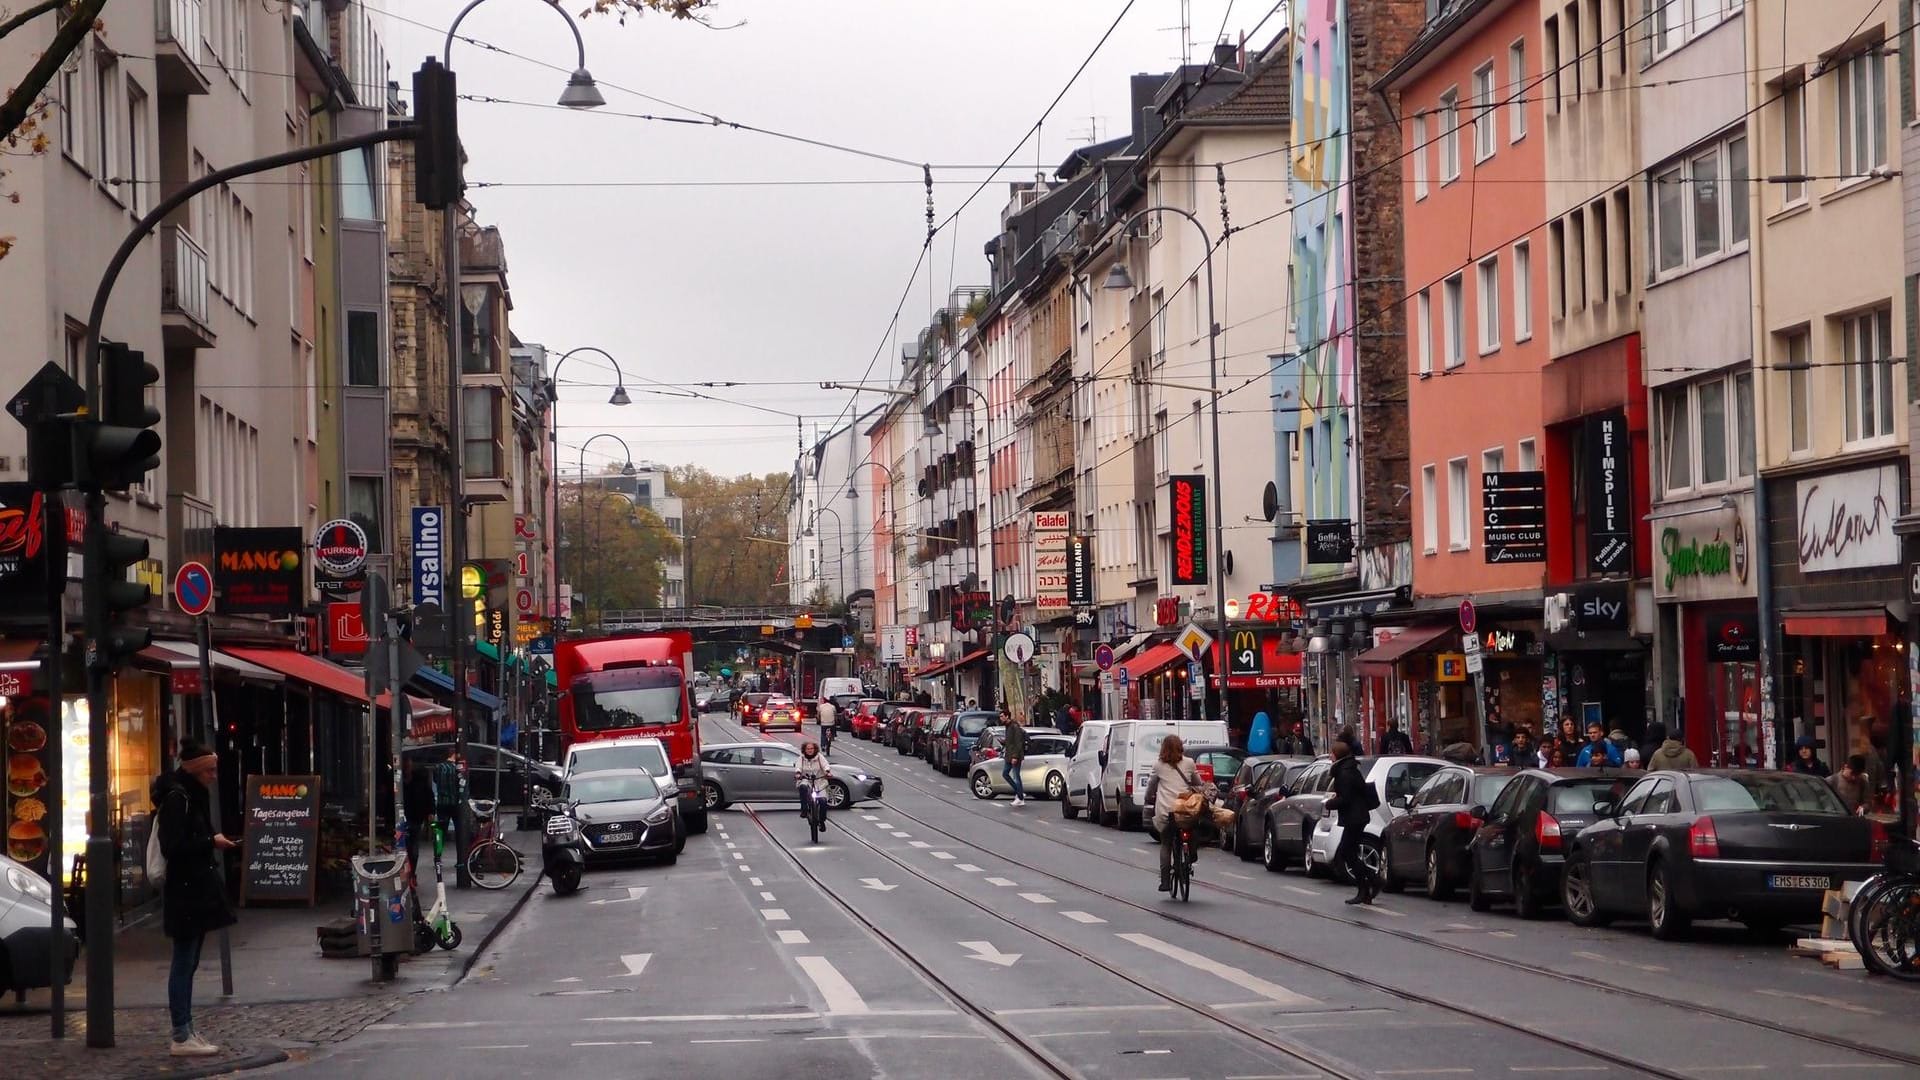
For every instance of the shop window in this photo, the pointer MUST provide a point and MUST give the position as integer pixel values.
(366, 505)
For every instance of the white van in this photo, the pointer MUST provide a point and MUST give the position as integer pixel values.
(1133, 746)
(834, 687)
(1083, 770)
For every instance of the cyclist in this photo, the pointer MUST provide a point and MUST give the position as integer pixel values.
(829, 720)
(812, 776)
(1174, 775)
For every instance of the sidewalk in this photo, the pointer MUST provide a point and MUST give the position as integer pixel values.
(286, 997)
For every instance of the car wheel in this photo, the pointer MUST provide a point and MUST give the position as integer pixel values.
(1056, 786)
(1067, 809)
(698, 823)
(680, 842)
(1477, 899)
(1664, 916)
(1307, 861)
(1128, 821)
(1383, 869)
(1438, 887)
(1247, 852)
(1270, 855)
(1576, 893)
(838, 796)
(1526, 898)
(982, 786)
(711, 795)
(669, 860)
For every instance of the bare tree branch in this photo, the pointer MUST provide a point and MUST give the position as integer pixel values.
(79, 23)
(27, 16)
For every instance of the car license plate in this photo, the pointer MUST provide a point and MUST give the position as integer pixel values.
(617, 838)
(1799, 881)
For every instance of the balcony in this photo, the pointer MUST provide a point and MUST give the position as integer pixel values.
(183, 291)
(176, 54)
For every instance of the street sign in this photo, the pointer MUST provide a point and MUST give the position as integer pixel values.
(1103, 655)
(1124, 678)
(1470, 643)
(1193, 641)
(541, 644)
(1243, 653)
(1106, 680)
(345, 631)
(1476, 663)
(48, 394)
(1468, 617)
(193, 589)
(1018, 648)
(1196, 680)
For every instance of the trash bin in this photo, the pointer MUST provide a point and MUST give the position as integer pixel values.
(381, 911)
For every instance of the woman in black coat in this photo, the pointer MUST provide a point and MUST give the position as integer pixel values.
(193, 895)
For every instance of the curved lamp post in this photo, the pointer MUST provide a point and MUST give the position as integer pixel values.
(580, 557)
(840, 535)
(553, 438)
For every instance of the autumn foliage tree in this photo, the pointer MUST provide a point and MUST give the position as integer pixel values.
(619, 560)
(736, 536)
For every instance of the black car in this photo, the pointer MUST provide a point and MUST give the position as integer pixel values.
(1221, 760)
(1759, 847)
(517, 771)
(844, 706)
(934, 734)
(909, 727)
(1521, 844)
(1240, 789)
(623, 815)
(1428, 844)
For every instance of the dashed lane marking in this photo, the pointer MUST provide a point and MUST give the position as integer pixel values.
(941, 854)
(1231, 874)
(618, 1042)
(841, 997)
(1001, 882)
(774, 914)
(1036, 898)
(1083, 917)
(1831, 1003)
(1102, 840)
(902, 835)
(767, 896)
(793, 937)
(731, 845)
(744, 869)
(1298, 889)
(967, 866)
(755, 882)
(883, 825)
(1243, 979)
(922, 844)
(711, 1042)
(739, 855)
(870, 817)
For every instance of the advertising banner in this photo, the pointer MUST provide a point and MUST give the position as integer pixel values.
(1513, 507)
(429, 555)
(1080, 571)
(1187, 503)
(26, 543)
(1050, 560)
(258, 570)
(1609, 494)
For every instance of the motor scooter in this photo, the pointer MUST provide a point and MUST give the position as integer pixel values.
(563, 854)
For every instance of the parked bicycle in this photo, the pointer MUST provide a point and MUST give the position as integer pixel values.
(492, 863)
(1884, 919)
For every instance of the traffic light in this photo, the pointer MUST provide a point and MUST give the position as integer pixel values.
(115, 451)
(437, 164)
(109, 555)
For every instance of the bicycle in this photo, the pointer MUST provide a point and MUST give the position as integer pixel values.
(1883, 921)
(1180, 879)
(814, 807)
(492, 863)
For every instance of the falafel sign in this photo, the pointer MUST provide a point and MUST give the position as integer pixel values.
(256, 571)
(282, 844)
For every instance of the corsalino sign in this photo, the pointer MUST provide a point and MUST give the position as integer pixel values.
(1705, 556)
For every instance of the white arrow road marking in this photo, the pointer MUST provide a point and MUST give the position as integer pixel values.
(1083, 917)
(636, 963)
(1242, 979)
(840, 995)
(985, 950)
(1036, 898)
(634, 892)
(1000, 881)
(877, 885)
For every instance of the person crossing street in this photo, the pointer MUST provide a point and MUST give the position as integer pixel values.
(1016, 751)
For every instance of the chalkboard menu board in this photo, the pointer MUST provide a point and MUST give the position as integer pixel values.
(282, 846)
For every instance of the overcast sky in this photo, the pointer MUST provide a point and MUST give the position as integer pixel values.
(747, 274)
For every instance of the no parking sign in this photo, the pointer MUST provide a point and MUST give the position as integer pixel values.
(193, 589)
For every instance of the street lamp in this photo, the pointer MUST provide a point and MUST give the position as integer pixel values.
(553, 437)
(580, 557)
(580, 93)
(840, 535)
(1118, 278)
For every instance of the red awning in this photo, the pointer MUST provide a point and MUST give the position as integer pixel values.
(1380, 659)
(1840, 622)
(1151, 659)
(327, 675)
(942, 667)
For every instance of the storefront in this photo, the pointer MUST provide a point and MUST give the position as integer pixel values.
(1599, 669)
(1403, 684)
(1154, 683)
(1841, 601)
(1263, 676)
(1708, 635)
(1339, 630)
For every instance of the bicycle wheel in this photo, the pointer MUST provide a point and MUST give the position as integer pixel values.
(493, 865)
(1863, 901)
(813, 821)
(1182, 872)
(1890, 941)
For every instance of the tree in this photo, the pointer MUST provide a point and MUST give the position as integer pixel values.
(736, 535)
(25, 107)
(619, 560)
(695, 10)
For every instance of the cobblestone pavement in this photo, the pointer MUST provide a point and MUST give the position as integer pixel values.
(249, 1036)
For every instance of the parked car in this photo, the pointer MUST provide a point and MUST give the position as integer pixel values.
(1132, 747)
(747, 707)
(623, 814)
(762, 772)
(1759, 847)
(954, 752)
(865, 716)
(1217, 762)
(909, 727)
(780, 711)
(1520, 847)
(635, 752)
(1287, 823)
(517, 772)
(1394, 778)
(845, 708)
(1261, 777)
(1043, 771)
(26, 930)
(1427, 845)
(934, 733)
(1084, 768)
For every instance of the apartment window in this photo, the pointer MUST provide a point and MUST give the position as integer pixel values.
(1744, 434)
(76, 347)
(1493, 461)
(1557, 262)
(1866, 342)
(1793, 140)
(1676, 22)
(476, 323)
(1429, 511)
(1423, 330)
(1197, 430)
(1459, 529)
(1522, 291)
(1796, 348)
(1577, 260)
(1450, 136)
(1420, 156)
(1676, 438)
(1487, 289)
(1711, 399)
(1603, 240)
(1160, 464)
(106, 119)
(1706, 432)
(479, 425)
(1517, 91)
(1623, 213)
(1550, 34)
(139, 196)
(363, 348)
(1453, 318)
(1485, 116)
(1576, 60)
(245, 236)
(1153, 220)
(73, 108)
(1159, 325)
(1860, 88)
(366, 505)
(1528, 457)
(1700, 206)
(356, 185)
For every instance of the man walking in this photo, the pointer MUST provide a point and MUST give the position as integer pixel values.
(1352, 806)
(193, 896)
(1016, 750)
(829, 723)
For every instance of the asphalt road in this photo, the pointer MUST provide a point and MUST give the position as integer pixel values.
(935, 935)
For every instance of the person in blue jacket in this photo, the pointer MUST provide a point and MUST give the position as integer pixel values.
(1599, 750)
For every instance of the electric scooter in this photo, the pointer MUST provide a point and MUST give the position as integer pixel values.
(436, 925)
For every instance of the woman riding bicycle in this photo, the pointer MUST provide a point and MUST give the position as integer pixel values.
(1173, 777)
(812, 775)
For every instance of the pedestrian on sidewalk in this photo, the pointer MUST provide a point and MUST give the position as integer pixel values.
(1672, 754)
(192, 895)
(1395, 741)
(1852, 785)
(1806, 758)
(418, 801)
(1015, 747)
(1352, 806)
(1599, 750)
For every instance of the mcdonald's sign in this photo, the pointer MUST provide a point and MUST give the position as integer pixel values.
(1243, 653)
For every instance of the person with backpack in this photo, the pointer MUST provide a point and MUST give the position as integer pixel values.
(1353, 802)
(193, 896)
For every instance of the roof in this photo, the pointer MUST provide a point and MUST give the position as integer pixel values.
(1266, 94)
(1452, 17)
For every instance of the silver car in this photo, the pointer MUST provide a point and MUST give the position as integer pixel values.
(1043, 772)
(762, 772)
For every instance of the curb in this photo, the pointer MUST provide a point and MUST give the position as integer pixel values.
(493, 931)
(258, 1060)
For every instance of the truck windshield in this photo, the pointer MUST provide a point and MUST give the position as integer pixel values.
(651, 700)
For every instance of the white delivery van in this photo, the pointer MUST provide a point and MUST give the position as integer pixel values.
(1083, 770)
(1133, 746)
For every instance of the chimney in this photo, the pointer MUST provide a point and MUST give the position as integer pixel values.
(1226, 55)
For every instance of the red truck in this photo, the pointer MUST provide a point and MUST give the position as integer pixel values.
(635, 685)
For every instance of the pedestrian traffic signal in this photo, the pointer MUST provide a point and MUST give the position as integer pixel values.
(437, 160)
(116, 451)
(109, 555)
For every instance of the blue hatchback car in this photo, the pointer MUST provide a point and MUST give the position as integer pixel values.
(963, 735)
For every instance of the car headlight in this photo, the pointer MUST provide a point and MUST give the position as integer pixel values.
(861, 777)
(660, 816)
(29, 884)
(561, 827)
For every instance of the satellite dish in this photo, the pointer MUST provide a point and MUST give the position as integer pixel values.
(1270, 501)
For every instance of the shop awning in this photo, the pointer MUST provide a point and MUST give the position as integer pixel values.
(166, 656)
(1151, 660)
(434, 678)
(1125, 648)
(973, 657)
(943, 666)
(1836, 622)
(1380, 659)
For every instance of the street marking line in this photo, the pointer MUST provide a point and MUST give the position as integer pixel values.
(1000, 881)
(882, 824)
(618, 1042)
(941, 854)
(1555, 1068)
(1831, 1003)
(1378, 910)
(710, 1042)
(902, 835)
(840, 995)
(497, 1046)
(1421, 1072)
(1041, 1010)
(774, 914)
(1301, 891)
(1102, 840)
(731, 845)
(636, 964)
(1231, 874)
(739, 855)
(793, 937)
(918, 844)
(755, 882)
(767, 896)
(744, 869)
(968, 867)
(1083, 917)
(1036, 898)
(869, 817)
(1851, 1065)
(1243, 979)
